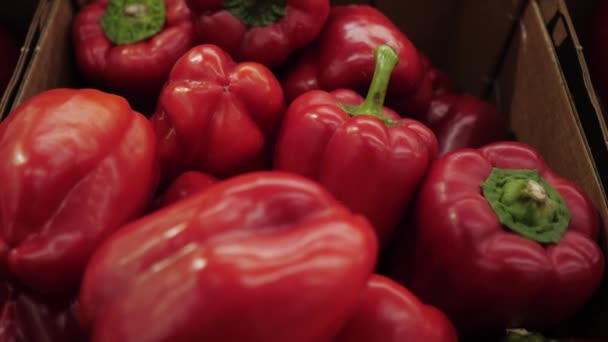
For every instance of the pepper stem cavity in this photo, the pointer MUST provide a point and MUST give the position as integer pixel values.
(526, 204)
(132, 21)
(255, 13)
(386, 59)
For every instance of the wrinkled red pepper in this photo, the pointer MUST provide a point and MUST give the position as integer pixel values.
(8, 59)
(343, 57)
(185, 185)
(390, 313)
(262, 31)
(217, 116)
(461, 121)
(115, 54)
(25, 317)
(77, 165)
(513, 242)
(363, 153)
(262, 257)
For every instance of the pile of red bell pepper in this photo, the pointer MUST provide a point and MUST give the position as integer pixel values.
(290, 144)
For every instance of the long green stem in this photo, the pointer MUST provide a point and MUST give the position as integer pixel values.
(386, 59)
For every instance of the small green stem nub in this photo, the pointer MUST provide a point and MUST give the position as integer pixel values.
(525, 203)
(386, 59)
(256, 13)
(132, 21)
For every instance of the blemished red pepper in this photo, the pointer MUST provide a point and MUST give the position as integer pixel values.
(262, 257)
(129, 47)
(185, 185)
(513, 242)
(262, 31)
(8, 58)
(461, 120)
(217, 116)
(27, 317)
(343, 57)
(390, 313)
(77, 164)
(363, 153)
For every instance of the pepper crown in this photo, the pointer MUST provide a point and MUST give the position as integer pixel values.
(525, 203)
(132, 21)
(386, 60)
(256, 13)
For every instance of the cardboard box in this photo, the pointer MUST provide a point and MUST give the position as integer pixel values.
(500, 50)
(21, 19)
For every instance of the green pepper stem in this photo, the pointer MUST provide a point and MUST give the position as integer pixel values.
(386, 59)
(525, 203)
(133, 21)
(522, 335)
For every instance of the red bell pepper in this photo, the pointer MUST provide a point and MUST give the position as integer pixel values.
(185, 185)
(343, 57)
(129, 47)
(513, 242)
(25, 317)
(366, 155)
(77, 165)
(8, 59)
(262, 31)
(390, 313)
(461, 121)
(217, 116)
(266, 256)
(441, 84)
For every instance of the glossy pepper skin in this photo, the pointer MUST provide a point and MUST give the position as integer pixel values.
(343, 57)
(262, 31)
(365, 154)
(266, 256)
(26, 317)
(461, 121)
(390, 313)
(217, 116)
(77, 165)
(532, 267)
(135, 70)
(185, 185)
